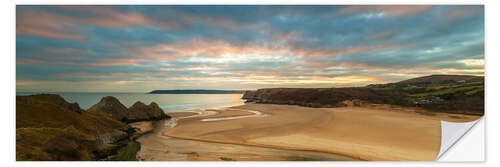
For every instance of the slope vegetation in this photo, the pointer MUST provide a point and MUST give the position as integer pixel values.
(441, 93)
(50, 128)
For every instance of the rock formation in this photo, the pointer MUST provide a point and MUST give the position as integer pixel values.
(112, 107)
(142, 112)
(137, 112)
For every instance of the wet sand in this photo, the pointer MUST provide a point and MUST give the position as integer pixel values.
(143, 127)
(367, 133)
(157, 147)
(181, 114)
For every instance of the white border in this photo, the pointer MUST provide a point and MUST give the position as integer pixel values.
(451, 134)
(467, 148)
(7, 71)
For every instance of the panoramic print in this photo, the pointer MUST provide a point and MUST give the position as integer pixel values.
(245, 83)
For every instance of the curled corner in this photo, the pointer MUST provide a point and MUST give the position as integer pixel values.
(451, 132)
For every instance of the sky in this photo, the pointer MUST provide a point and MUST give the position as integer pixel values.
(144, 48)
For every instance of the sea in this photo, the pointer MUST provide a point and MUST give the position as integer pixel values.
(168, 102)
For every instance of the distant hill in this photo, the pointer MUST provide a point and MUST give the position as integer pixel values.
(197, 91)
(432, 80)
(441, 78)
(323, 97)
(441, 93)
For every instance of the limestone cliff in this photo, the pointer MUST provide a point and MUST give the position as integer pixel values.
(137, 112)
(112, 107)
(140, 112)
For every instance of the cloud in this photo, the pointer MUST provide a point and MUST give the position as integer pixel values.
(394, 10)
(332, 52)
(458, 12)
(243, 47)
(47, 23)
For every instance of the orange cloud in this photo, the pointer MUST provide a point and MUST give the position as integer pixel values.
(459, 12)
(51, 25)
(213, 48)
(207, 47)
(115, 62)
(217, 48)
(117, 19)
(45, 24)
(29, 62)
(21, 82)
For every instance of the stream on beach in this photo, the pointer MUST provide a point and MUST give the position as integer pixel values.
(157, 147)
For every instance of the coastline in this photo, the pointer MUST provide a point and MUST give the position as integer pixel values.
(157, 147)
(371, 141)
(261, 132)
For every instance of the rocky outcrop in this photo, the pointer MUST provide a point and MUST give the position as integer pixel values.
(137, 112)
(249, 95)
(142, 112)
(112, 107)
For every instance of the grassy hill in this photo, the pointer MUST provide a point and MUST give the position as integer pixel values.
(440, 79)
(441, 93)
(50, 128)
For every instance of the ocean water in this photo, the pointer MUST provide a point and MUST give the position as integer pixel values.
(168, 102)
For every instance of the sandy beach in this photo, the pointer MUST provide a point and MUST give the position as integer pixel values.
(377, 132)
(157, 147)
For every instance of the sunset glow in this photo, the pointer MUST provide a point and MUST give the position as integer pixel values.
(142, 48)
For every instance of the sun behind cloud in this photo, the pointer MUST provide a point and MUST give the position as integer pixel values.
(141, 48)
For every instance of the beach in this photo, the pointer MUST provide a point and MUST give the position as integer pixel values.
(157, 147)
(376, 132)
